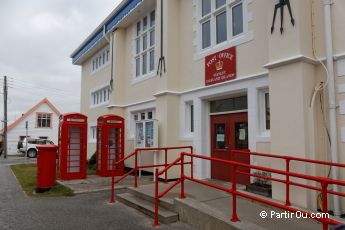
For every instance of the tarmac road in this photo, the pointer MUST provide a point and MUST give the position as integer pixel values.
(87, 211)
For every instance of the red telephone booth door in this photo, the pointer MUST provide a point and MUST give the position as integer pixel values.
(229, 132)
(75, 145)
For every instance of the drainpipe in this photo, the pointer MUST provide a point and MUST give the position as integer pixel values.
(331, 100)
(111, 43)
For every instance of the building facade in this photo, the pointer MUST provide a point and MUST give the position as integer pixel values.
(43, 123)
(231, 80)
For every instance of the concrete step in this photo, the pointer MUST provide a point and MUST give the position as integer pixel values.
(165, 216)
(149, 196)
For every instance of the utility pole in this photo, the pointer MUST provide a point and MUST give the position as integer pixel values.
(5, 116)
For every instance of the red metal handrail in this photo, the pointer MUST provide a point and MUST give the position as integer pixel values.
(136, 166)
(324, 182)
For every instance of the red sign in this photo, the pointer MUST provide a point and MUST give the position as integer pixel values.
(220, 67)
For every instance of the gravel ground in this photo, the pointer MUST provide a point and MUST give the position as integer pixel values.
(87, 211)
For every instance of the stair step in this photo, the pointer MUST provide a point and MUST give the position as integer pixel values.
(165, 203)
(165, 216)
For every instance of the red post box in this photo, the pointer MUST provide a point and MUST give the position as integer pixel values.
(110, 145)
(72, 146)
(46, 167)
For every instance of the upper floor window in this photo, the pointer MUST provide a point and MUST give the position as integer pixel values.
(100, 96)
(43, 120)
(145, 44)
(100, 59)
(220, 21)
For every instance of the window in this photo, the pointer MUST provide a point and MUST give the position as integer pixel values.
(264, 113)
(92, 133)
(230, 104)
(145, 42)
(145, 128)
(100, 96)
(43, 120)
(220, 21)
(100, 59)
(189, 118)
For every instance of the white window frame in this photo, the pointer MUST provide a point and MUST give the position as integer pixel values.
(92, 125)
(133, 122)
(264, 134)
(100, 60)
(231, 41)
(150, 73)
(97, 96)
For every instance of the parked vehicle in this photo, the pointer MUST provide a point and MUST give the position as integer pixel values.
(32, 146)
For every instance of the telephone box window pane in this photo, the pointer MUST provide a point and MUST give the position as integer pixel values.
(220, 136)
(230, 104)
(206, 7)
(220, 3)
(237, 20)
(221, 27)
(206, 34)
(267, 111)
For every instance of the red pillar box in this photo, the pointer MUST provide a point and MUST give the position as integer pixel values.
(72, 146)
(46, 167)
(110, 145)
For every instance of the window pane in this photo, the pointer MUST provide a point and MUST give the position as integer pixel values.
(145, 24)
(152, 60)
(105, 95)
(206, 34)
(206, 7)
(152, 18)
(152, 37)
(267, 111)
(237, 20)
(108, 55)
(191, 118)
(142, 115)
(230, 104)
(103, 58)
(220, 3)
(144, 63)
(137, 66)
(220, 136)
(145, 42)
(221, 27)
(149, 115)
(138, 45)
(138, 28)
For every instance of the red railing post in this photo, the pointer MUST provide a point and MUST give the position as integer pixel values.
(192, 164)
(112, 197)
(136, 169)
(182, 195)
(165, 165)
(324, 186)
(287, 183)
(234, 217)
(156, 222)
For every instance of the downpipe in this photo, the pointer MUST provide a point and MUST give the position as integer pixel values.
(331, 101)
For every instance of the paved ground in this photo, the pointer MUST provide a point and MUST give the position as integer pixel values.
(87, 211)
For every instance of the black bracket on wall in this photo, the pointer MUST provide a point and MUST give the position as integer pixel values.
(281, 6)
(161, 61)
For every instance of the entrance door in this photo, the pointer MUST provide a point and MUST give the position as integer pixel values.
(229, 132)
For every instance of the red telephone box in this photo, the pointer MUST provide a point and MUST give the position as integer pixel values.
(110, 144)
(72, 146)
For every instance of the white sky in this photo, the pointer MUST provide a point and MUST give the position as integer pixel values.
(36, 40)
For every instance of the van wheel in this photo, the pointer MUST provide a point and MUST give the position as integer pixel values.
(32, 153)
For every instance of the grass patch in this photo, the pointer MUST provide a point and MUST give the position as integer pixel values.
(26, 175)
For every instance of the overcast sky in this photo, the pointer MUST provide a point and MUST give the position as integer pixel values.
(36, 40)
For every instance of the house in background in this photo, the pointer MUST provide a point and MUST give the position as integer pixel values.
(43, 122)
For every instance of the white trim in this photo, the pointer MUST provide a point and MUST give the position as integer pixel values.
(229, 112)
(144, 106)
(132, 104)
(201, 98)
(291, 60)
(232, 41)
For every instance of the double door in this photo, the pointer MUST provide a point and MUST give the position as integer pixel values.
(229, 132)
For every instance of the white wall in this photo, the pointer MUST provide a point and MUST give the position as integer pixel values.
(19, 130)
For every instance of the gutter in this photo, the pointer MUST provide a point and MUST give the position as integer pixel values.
(331, 101)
